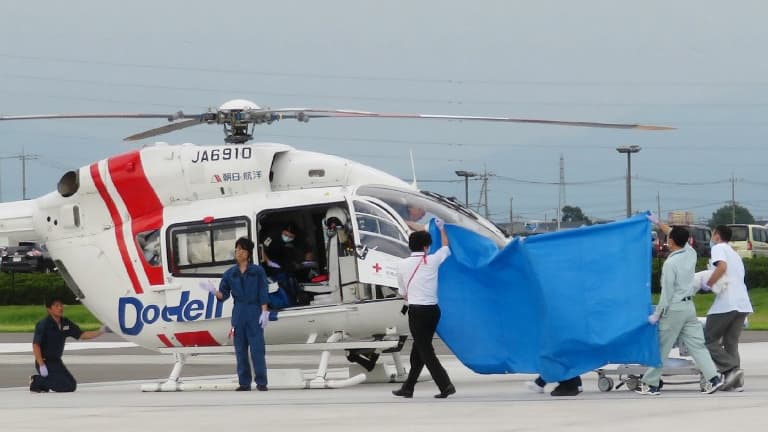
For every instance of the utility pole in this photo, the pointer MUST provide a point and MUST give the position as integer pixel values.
(484, 195)
(733, 199)
(561, 198)
(23, 157)
(561, 191)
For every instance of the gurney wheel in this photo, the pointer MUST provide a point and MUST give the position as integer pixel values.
(605, 383)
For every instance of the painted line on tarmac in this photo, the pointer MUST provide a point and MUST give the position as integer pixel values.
(26, 347)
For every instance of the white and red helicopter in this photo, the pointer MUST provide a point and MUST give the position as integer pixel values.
(137, 237)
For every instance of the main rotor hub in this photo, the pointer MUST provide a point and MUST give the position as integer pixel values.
(236, 115)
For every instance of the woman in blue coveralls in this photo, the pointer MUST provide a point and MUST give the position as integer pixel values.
(247, 284)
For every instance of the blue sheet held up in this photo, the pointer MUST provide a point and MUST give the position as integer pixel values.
(557, 304)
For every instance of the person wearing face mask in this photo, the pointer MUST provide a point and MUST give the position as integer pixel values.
(725, 318)
(283, 253)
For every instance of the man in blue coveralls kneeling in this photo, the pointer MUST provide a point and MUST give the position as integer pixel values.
(247, 284)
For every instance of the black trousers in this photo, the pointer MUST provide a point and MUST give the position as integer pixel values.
(422, 321)
(59, 379)
(721, 335)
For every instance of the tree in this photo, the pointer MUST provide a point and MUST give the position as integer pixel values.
(574, 214)
(724, 216)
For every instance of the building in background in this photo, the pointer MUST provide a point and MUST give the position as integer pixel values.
(680, 217)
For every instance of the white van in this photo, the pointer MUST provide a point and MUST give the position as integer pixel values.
(749, 241)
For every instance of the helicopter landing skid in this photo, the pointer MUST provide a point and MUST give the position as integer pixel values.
(322, 377)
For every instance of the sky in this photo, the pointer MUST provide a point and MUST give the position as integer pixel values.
(695, 65)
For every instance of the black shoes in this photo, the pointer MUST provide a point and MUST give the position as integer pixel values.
(446, 392)
(562, 390)
(34, 387)
(732, 378)
(259, 387)
(403, 393)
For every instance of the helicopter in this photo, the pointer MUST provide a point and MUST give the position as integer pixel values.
(138, 237)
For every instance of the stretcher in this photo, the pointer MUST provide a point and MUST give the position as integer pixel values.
(684, 369)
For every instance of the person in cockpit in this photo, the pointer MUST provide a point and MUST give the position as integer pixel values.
(283, 258)
(417, 218)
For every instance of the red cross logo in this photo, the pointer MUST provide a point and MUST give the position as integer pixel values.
(377, 267)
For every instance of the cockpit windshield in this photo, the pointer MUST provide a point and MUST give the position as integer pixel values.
(417, 209)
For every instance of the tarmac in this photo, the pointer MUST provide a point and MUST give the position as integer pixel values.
(110, 373)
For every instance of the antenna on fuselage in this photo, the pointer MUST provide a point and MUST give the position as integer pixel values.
(413, 169)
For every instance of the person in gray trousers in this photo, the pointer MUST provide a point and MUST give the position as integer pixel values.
(726, 317)
(676, 315)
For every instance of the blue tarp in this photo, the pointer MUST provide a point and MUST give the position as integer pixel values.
(557, 304)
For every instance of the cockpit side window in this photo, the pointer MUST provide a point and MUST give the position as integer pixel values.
(149, 242)
(379, 231)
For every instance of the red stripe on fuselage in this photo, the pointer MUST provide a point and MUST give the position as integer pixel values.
(196, 338)
(141, 201)
(164, 339)
(118, 223)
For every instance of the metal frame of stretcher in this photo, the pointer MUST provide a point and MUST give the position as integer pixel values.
(629, 375)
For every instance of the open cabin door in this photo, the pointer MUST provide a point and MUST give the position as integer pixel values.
(381, 244)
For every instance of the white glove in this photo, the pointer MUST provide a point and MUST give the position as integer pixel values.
(653, 319)
(264, 319)
(209, 286)
(653, 218)
(439, 223)
(43, 371)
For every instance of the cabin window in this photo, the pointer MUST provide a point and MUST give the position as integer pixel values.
(204, 249)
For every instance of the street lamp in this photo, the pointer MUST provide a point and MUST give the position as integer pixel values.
(629, 150)
(466, 175)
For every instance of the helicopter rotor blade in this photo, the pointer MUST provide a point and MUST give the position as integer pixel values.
(164, 129)
(170, 117)
(322, 113)
(239, 114)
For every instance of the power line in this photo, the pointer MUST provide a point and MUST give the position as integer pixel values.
(450, 81)
(337, 96)
(667, 182)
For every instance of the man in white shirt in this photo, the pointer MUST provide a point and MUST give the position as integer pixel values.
(417, 280)
(417, 218)
(725, 318)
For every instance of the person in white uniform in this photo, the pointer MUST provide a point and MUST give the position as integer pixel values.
(417, 281)
(725, 318)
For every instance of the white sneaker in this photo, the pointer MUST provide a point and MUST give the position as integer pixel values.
(648, 390)
(532, 386)
(712, 385)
